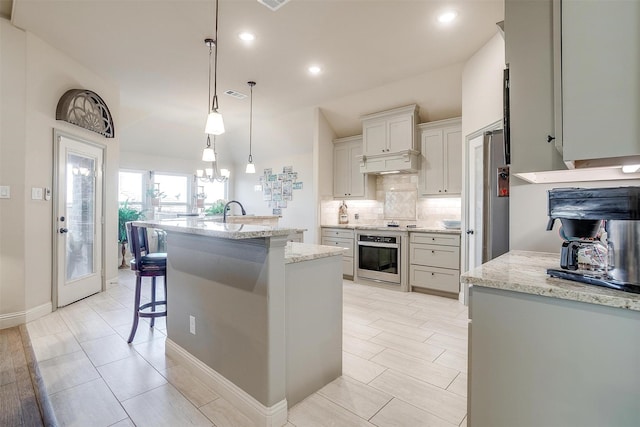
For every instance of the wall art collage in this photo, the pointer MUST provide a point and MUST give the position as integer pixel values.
(277, 188)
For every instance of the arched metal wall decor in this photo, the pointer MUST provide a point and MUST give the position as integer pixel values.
(86, 109)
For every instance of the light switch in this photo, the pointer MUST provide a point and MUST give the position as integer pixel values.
(36, 193)
(5, 192)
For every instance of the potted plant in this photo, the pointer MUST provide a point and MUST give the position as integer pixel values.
(217, 208)
(156, 195)
(125, 214)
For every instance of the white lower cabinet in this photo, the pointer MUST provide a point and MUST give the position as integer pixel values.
(434, 262)
(341, 237)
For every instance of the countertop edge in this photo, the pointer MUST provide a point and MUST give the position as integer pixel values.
(296, 252)
(496, 274)
(231, 231)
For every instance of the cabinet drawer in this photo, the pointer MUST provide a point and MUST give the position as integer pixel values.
(337, 232)
(343, 243)
(436, 238)
(440, 279)
(347, 266)
(435, 255)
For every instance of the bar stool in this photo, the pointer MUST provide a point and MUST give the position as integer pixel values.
(146, 264)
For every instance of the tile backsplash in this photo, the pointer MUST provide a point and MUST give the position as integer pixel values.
(429, 212)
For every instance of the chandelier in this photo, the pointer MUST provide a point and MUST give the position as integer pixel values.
(212, 174)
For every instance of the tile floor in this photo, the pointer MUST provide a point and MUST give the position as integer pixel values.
(404, 364)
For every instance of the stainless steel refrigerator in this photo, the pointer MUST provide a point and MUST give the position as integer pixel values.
(488, 225)
(495, 223)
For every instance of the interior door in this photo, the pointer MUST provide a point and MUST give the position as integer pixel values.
(475, 201)
(78, 219)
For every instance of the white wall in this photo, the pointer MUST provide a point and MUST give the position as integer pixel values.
(12, 162)
(482, 86)
(529, 215)
(481, 103)
(34, 77)
(292, 130)
(322, 165)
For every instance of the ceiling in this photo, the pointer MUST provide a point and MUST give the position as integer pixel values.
(154, 50)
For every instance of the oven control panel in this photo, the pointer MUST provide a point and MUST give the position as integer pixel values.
(378, 239)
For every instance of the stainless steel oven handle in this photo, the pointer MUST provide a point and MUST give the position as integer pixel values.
(379, 245)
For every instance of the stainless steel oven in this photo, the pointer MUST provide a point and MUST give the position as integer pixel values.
(379, 257)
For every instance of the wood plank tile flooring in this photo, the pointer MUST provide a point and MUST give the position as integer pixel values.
(404, 364)
(18, 405)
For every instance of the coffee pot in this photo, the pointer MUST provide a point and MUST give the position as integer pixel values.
(584, 256)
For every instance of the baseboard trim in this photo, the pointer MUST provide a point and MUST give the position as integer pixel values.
(18, 318)
(260, 415)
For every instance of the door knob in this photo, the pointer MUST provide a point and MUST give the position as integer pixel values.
(63, 230)
(469, 231)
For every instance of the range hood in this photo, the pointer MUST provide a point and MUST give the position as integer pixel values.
(407, 161)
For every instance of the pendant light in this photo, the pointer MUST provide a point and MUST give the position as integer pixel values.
(215, 124)
(209, 154)
(251, 168)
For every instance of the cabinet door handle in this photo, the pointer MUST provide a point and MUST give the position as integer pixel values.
(433, 252)
(445, 190)
(550, 138)
(433, 274)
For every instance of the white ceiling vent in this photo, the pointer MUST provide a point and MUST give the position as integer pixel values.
(235, 94)
(273, 4)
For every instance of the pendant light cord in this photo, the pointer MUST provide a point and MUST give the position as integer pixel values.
(214, 103)
(251, 84)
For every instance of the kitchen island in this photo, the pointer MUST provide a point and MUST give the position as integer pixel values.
(258, 318)
(549, 352)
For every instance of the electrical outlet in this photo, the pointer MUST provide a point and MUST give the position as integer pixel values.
(192, 324)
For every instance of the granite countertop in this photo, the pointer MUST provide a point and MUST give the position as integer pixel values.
(526, 272)
(383, 227)
(210, 228)
(299, 252)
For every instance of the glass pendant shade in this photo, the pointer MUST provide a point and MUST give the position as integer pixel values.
(251, 168)
(215, 125)
(226, 173)
(208, 155)
(199, 173)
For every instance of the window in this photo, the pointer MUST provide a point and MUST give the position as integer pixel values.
(214, 191)
(175, 194)
(131, 187)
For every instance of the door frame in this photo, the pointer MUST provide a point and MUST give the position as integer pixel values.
(464, 240)
(57, 134)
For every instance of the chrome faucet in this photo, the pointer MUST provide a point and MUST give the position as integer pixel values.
(224, 215)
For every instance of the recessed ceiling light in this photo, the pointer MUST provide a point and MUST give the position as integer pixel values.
(247, 37)
(447, 17)
(314, 69)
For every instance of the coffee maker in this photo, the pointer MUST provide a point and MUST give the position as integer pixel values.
(612, 263)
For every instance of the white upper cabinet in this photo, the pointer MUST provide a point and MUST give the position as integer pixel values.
(574, 68)
(529, 54)
(390, 141)
(390, 131)
(441, 158)
(600, 79)
(348, 182)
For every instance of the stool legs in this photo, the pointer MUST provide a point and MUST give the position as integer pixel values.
(153, 299)
(135, 309)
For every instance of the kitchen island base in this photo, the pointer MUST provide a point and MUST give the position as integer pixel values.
(263, 329)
